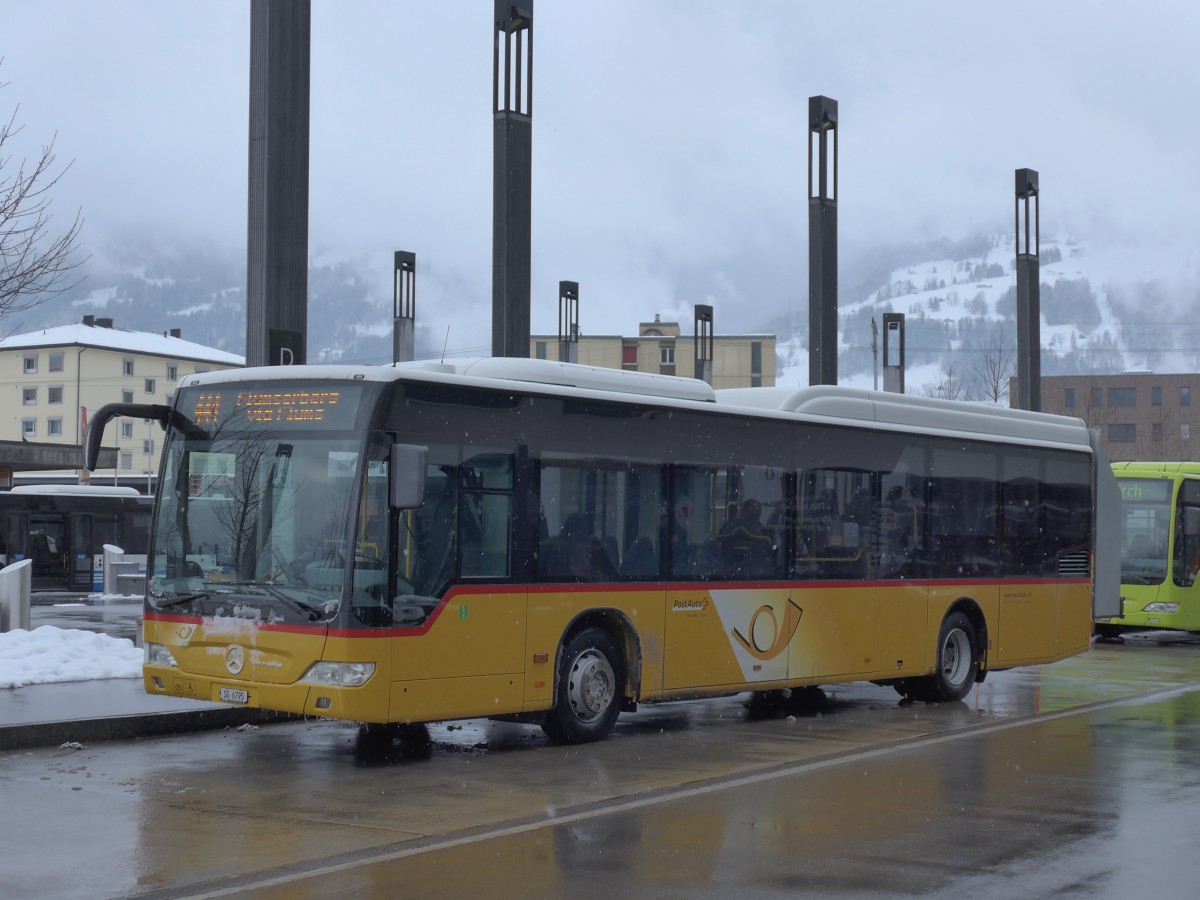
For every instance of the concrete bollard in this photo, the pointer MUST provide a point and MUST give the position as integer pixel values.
(127, 580)
(15, 592)
(112, 554)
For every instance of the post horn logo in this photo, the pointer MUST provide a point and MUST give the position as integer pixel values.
(235, 659)
(768, 642)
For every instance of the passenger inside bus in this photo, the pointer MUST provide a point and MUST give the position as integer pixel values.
(747, 550)
(578, 553)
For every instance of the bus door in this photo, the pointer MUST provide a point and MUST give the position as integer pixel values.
(47, 548)
(81, 552)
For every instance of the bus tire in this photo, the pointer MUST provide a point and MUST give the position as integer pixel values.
(591, 679)
(956, 666)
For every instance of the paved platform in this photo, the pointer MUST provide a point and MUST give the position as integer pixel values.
(42, 715)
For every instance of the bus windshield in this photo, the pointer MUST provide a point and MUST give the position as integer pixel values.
(254, 517)
(1146, 524)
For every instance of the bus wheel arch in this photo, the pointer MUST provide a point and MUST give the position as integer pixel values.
(959, 656)
(596, 668)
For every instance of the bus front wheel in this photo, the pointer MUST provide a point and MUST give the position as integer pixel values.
(956, 667)
(591, 678)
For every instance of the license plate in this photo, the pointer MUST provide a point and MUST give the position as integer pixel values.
(234, 695)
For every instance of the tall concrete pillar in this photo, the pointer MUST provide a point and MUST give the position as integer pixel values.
(277, 231)
(404, 306)
(1029, 314)
(512, 175)
(568, 321)
(822, 241)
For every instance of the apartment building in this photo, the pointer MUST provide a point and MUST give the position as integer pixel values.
(50, 379)
(739, 360)
(1140, 415)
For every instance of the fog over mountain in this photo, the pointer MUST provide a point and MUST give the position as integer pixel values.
(669, 147)
(1105, 309)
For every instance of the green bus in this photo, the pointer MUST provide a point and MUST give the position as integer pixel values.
(1160, 549)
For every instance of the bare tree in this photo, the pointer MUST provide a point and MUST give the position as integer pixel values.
(946, 383)
(990, 371)
(1162, 442)
(36, 262)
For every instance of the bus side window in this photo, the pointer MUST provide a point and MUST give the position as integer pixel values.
(837, 534)
(599, 520)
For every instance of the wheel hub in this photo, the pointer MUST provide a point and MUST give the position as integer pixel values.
(956, 657)
(592, 685)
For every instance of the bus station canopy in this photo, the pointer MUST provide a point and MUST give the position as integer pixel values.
(29, 456)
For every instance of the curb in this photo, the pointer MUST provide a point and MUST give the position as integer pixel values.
(48, 734)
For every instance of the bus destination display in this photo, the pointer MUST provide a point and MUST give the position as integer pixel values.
(292, 406)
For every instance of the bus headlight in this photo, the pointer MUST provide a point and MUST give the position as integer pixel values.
(158, 655)
(1161, 607)
(342, 674)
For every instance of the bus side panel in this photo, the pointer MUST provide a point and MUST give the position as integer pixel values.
(474, 633)
(469, 662)
(1075, 618)
(837, 636)
(1028, 623)
(727, 636)
(905, 626)
(437, 699)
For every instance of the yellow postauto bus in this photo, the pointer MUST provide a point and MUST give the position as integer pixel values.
(1160, 548)
(532, 540)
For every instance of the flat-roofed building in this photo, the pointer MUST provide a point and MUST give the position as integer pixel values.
(1140, 415)
(52, 378)
(739, 360)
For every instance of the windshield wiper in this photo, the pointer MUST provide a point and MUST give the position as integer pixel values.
(162, 602)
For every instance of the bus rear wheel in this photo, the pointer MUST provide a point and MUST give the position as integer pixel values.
(591, 678)
(956, 667)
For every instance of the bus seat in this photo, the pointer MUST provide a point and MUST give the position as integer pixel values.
(610, 548)
(553, 560)
(746, 555)
(706, 559)
(575, 527)
(641, 561)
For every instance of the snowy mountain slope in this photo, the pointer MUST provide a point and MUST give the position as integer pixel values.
(1094, 318)
(1100, 313)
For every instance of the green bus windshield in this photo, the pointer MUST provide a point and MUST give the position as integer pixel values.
(1146, 526)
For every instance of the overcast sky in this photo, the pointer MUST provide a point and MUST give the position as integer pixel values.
(669, 138)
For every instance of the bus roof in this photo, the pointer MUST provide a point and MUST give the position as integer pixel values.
(826, 402)
(1142, 467)
(89, 490)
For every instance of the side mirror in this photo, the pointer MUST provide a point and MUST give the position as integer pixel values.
(406, 485)
(1191, 520)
